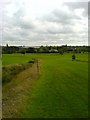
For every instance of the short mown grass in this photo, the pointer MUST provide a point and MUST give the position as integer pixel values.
(62, 88)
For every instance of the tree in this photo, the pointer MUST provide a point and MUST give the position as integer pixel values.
(73, 57)
(60, 51)
(31, 50)
(22, 51)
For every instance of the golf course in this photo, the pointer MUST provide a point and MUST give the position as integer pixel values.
(53, 86)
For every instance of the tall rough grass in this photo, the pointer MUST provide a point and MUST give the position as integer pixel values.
(8, 72)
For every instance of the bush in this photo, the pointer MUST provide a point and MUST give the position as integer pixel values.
(73, 57)
(32, 61)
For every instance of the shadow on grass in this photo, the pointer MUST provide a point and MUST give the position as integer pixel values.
(83, 61)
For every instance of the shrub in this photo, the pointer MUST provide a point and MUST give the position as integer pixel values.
(73, 57)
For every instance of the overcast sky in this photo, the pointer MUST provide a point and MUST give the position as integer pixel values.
(44, 22)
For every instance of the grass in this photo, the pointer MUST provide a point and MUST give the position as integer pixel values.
(15, 92)
(62, 89)
(9, 59)
(9, 71)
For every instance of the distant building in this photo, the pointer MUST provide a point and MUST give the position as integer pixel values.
(53, 50)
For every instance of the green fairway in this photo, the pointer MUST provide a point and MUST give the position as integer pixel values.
(15, 59)
(62, 88)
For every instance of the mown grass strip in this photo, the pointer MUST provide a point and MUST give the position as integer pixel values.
(62, 90)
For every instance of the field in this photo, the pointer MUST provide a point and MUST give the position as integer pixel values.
(60, 89)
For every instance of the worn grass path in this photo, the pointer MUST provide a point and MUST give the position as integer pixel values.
(15, 93)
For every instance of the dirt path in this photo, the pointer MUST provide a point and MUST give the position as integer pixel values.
(15, 93)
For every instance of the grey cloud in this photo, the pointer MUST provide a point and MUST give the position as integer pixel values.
(57, 17)
(78, 5)
(5, 1)
(61, 16)
(24, 25)
(64, 16)
(18, 19)
(89, 10)
(65, 30)
(54, 28)
(19, 13)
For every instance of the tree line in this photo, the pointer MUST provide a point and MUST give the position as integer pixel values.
(45, 49)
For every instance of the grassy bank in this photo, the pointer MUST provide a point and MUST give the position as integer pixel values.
(15, 93)
(9, 71)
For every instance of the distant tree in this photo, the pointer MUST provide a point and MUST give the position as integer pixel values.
(22, 51)
(73, 57)
(45, 49)
(61, 51)
(6, 45)
(30, 50)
